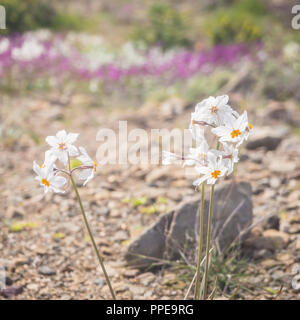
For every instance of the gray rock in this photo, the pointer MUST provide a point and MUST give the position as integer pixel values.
(11, 292)
(267, 137)
(47, 271)
(151, 243)
(232, 215)
(283, 112)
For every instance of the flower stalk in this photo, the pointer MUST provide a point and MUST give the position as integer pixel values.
(208, 239)
(201, 236)
(92, 238)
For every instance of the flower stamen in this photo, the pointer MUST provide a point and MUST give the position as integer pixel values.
(45, 182)
(214, 109)
(62, 146)
(235, 133)
(216, 174)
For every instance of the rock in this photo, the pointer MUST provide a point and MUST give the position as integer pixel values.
(151, 243)
(102, 211)
(231, 216)
(273, 222)
(290, 145)
(258, 243)
(15, 213)
(275, 182)
(267, 137)
(33, 286)
(8, 281)
(120, 236)
(283, 112)
(282, 165)
(279, 239)
(47, 271)
(278, 275)
(10, 292)
(99, 282)
(262, 254)
(297, 245)
(162, 173)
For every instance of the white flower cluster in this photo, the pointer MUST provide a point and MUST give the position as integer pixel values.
(63, 150)
(230, 129)
(31, 49)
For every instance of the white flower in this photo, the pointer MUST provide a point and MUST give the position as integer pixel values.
(88, 167)
(169, 157)
(50, 158)
(230, 156)
(47, 178)
(214, 111)
(197, 155)
(4, 45)
(62, 145)
(30, 49)
(233, 130)
(197, 131)
(212, 172)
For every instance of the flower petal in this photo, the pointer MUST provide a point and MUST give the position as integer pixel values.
(72, 137)
(58, 181)
(61, 135)
(52, 141)
(37, 169)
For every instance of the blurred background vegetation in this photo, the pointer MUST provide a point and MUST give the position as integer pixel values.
(172, 26)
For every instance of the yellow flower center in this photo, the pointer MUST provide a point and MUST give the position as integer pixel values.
(250, 126)
(214, 109)
(42, 165)
(95, 166)
(45, 182)
(235, 133)
(61, 146)
(216, 174)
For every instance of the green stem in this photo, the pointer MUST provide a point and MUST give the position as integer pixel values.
(197, 285)
(92, 238)
(208, 241)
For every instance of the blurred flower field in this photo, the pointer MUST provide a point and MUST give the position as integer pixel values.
(43, 55)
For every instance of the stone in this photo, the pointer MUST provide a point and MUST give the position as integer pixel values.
(282, 165)
(102, 211)
(46, 271)
(99, 282)
(162, 173)
(150, 244)
(297, 245)
(12, 291)
(279, 239)
(272, 222)
(262, 254)
(290, 145)
(15, 212)
(283, 112)
(267, 137)
(232, 215)
(258, 243)
(275, 182)
(33, 286)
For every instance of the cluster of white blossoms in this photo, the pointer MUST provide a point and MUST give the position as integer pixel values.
(229, 129)
(63, 151)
